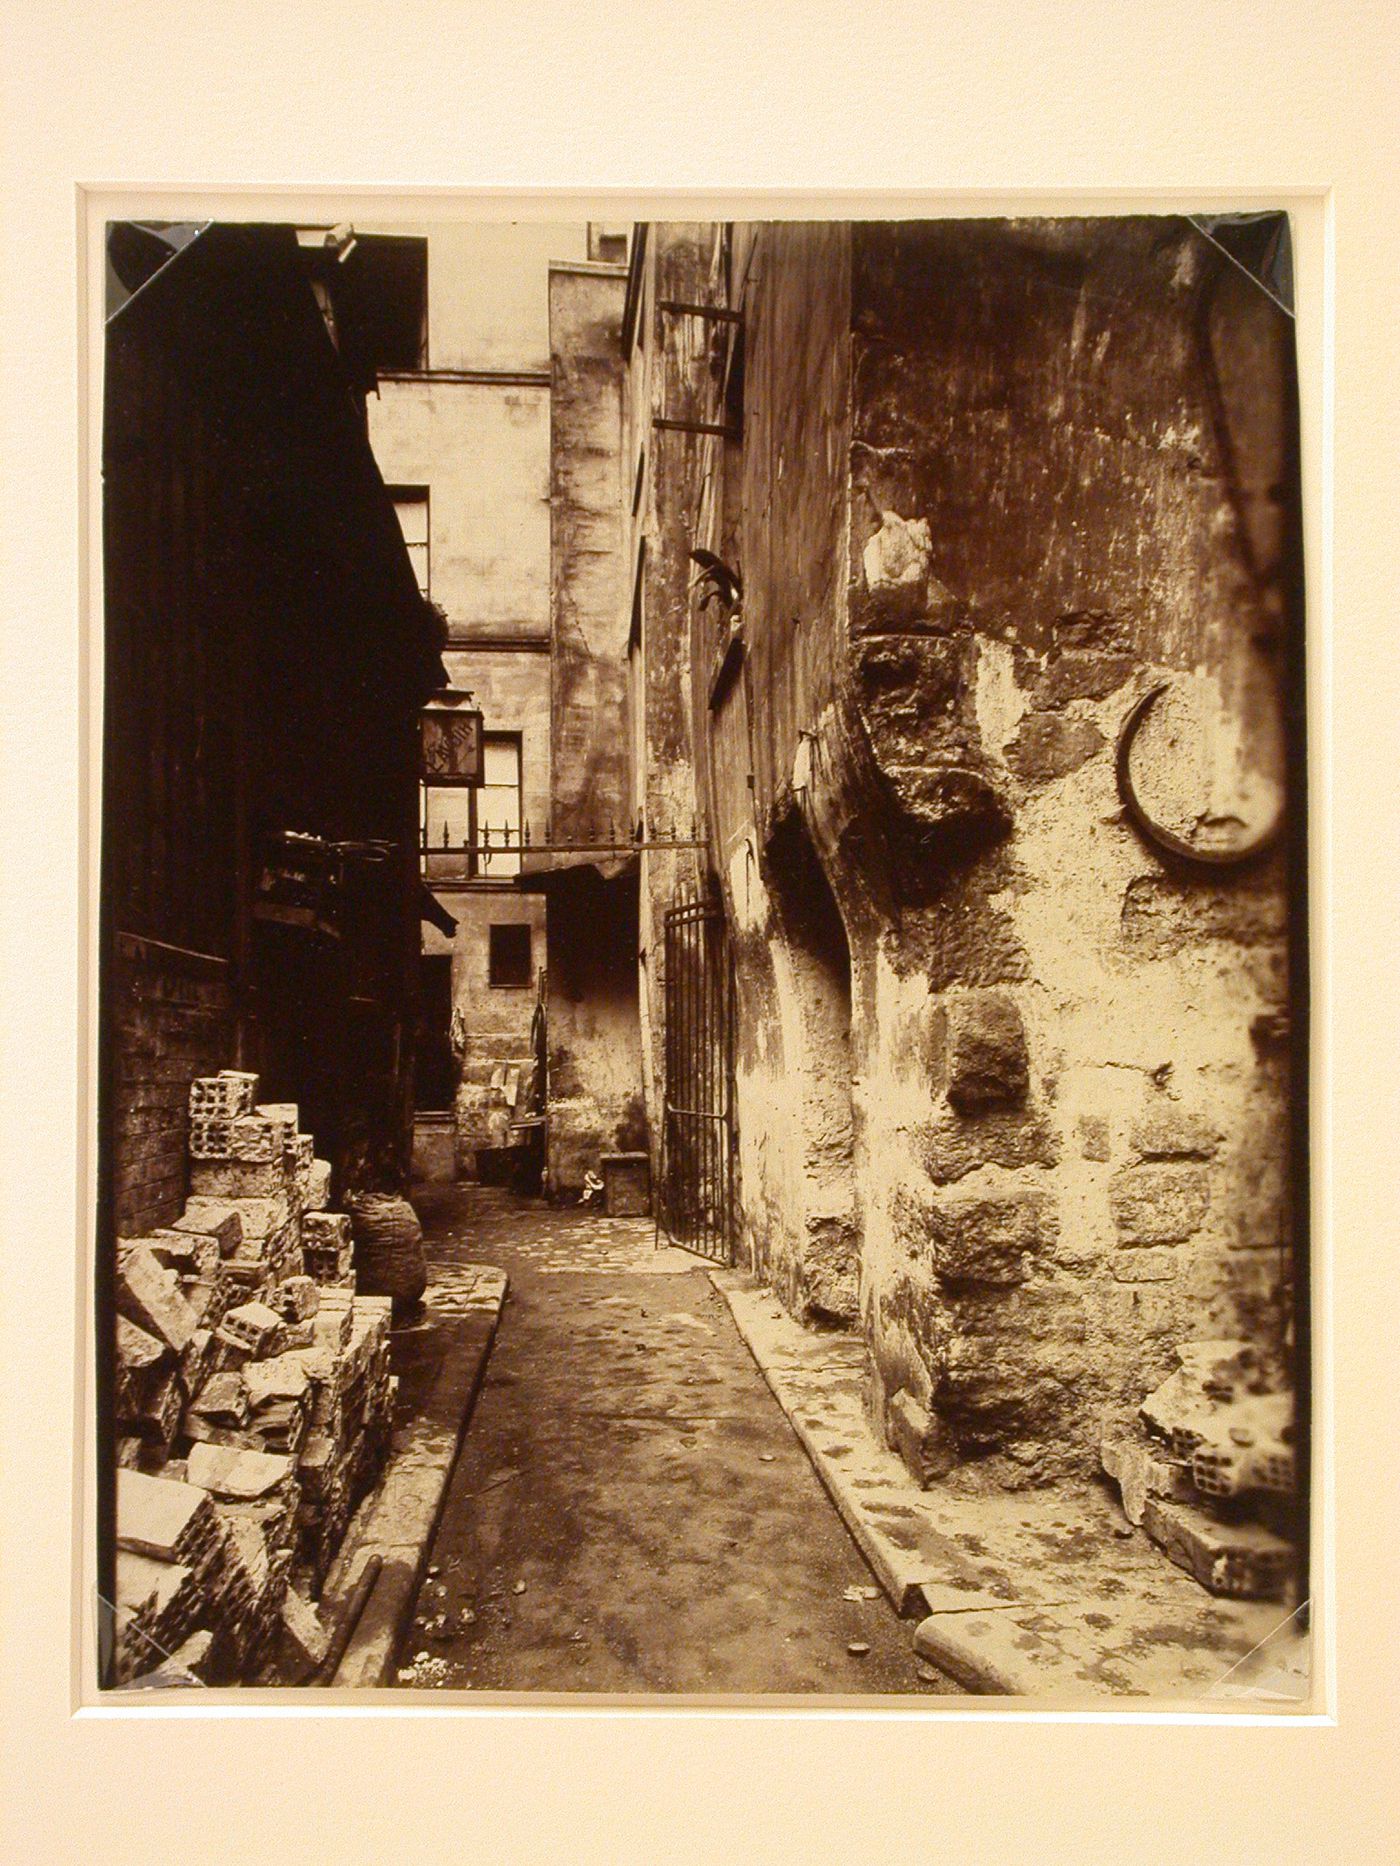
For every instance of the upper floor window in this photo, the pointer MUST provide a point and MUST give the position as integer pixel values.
(475, 833)
(411, 506)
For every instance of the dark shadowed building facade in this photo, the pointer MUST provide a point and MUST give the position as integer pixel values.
(266, 652)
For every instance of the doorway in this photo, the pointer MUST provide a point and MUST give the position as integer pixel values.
(434, 1069)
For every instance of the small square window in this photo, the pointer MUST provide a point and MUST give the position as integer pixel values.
(510, 957)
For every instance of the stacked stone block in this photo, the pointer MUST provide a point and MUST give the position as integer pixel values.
(253, 1400)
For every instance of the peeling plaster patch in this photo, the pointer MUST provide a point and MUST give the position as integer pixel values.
(1000, 703)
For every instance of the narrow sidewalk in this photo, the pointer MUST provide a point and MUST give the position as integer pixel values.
(1045, 1594)
(439, 1360)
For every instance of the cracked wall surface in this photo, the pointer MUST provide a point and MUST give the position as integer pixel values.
(998, 478)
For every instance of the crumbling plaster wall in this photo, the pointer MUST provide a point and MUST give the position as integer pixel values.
(588, 739)
(1069, 475)
(801, 1147)
(595, 1063)
(1063, 462)
(666, 377)
(595, 1070)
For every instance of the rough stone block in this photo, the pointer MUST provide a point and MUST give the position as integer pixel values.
(988, 1065)
(187, 1253)
(988, 1240)
(922, 1441)
(335, 1317)
(321, 1227)
(1247, 1448)
(149, 1296)
(956, 1145)
(1172, 1133)
(150, 1406)
(226, 1095)
(286, 1117)
(194, 1362)
(156, 1516)
(1240, 1560)
(223, 1399)
(318, 1186)
(136, 1350)
(304, 1640)
(252, 1327)
(238, 1179)
(280, 1378)
(896, 565)
(209, 1218)
(296, 1298)
(1050, 746)
(1141, 1471)
(225, 1472)
(257, 1217)
(1084, 674)
(1150, 1263)
(1159, 1204)
(1095, 1142)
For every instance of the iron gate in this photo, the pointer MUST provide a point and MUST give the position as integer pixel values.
(697, 1138)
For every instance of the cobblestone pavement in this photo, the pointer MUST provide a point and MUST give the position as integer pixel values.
(631, 1511)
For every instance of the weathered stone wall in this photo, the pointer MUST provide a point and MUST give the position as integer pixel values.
(1037, 468)
(491, 1024)
(1069, 478)
(796, 967)
(485, 307)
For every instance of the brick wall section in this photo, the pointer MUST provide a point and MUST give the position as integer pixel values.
(174, 1021)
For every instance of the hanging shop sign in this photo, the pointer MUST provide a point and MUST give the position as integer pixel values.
(450, 739)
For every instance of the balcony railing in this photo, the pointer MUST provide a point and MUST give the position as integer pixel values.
(499, 854)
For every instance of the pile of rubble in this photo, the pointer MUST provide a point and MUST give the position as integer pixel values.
(1209, 1471)
(253, 1403)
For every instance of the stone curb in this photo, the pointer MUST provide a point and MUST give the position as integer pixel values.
(915, 1587)
(899, 1572)
(401, 1517)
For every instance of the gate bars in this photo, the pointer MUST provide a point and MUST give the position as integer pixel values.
(696, 1207)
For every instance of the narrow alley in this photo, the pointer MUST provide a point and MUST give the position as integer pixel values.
(631, 1511)
(784, 729)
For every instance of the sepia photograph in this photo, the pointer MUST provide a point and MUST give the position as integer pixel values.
(703, 1035)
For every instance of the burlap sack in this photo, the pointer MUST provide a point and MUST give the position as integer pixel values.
(388, 1248)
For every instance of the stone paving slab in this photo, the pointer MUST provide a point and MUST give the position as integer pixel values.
(1043, 1594)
